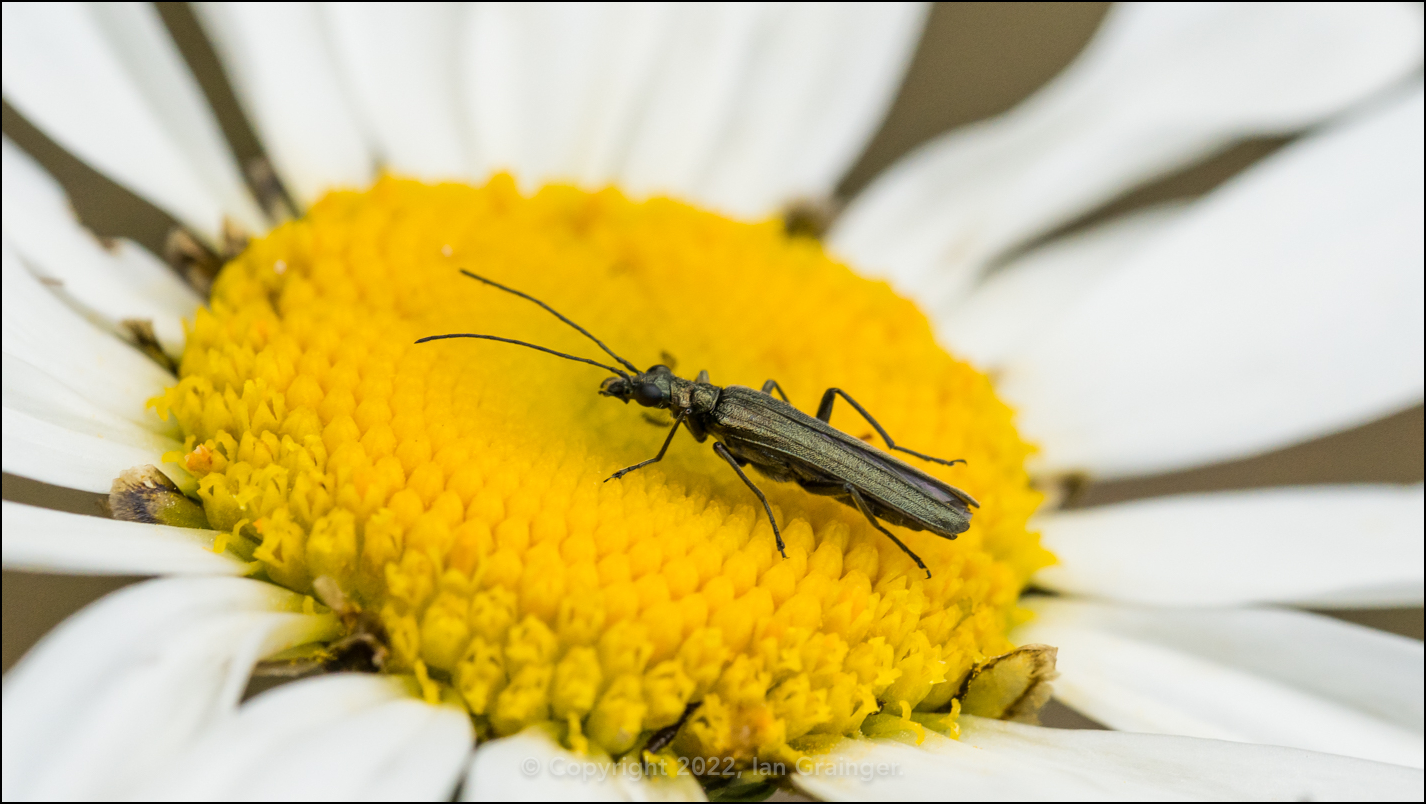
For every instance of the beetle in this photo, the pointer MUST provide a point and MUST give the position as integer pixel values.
(752, 427)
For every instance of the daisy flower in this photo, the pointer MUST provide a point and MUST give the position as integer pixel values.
(421, 531)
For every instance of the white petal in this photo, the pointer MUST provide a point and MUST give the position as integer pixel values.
(625, 58)
(337, 737)
(33, 392)
(50, 336)
(678, 787)
(27, 182)
(154, 280)
(1029, 294)
(116, 691)
(706, 54)
(109, 288)
(41, 540)
(749, 107)
(529, 73)
(822, 78)
(1263, 676)
(106, 82)
(280, 64)
(673, 99)
(1158, 87)
(1011, 761)
(533, 766)
(53, 454)
(552, 93)
(1286, 305)
(404, 749)
(400, 63)
(1324, 546)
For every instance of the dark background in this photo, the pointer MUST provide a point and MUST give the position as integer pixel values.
(975, 60)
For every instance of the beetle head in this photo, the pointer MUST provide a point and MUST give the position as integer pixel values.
(651, 388)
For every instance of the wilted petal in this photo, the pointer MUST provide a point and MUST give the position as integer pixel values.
(1262, 676)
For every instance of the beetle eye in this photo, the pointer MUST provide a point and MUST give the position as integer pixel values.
(648, 394)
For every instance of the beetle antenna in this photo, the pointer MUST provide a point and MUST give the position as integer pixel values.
(556, 314)
(522, 343)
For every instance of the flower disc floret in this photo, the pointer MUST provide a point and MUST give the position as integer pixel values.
(454, 488)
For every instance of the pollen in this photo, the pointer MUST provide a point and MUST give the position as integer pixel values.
(454, 489)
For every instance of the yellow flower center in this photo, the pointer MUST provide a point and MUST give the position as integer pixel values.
(454, 489)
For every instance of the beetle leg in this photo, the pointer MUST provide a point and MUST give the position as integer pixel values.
(866, 512)
(626, 470)
(824, 412)
(665, 735)
(733, 462)
(770, 385)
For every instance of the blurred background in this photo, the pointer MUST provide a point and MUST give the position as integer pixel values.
(975, 60)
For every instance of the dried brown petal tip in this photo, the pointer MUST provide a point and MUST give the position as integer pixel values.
(276, 203)
(809, 217)
(366, 647)
(141, 332)
(302, 660)
(1011, 687)
(144, 494)
(235, 239)
(1062, 491)
(193, 261)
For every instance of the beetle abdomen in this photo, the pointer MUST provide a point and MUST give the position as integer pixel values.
(784, 443)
